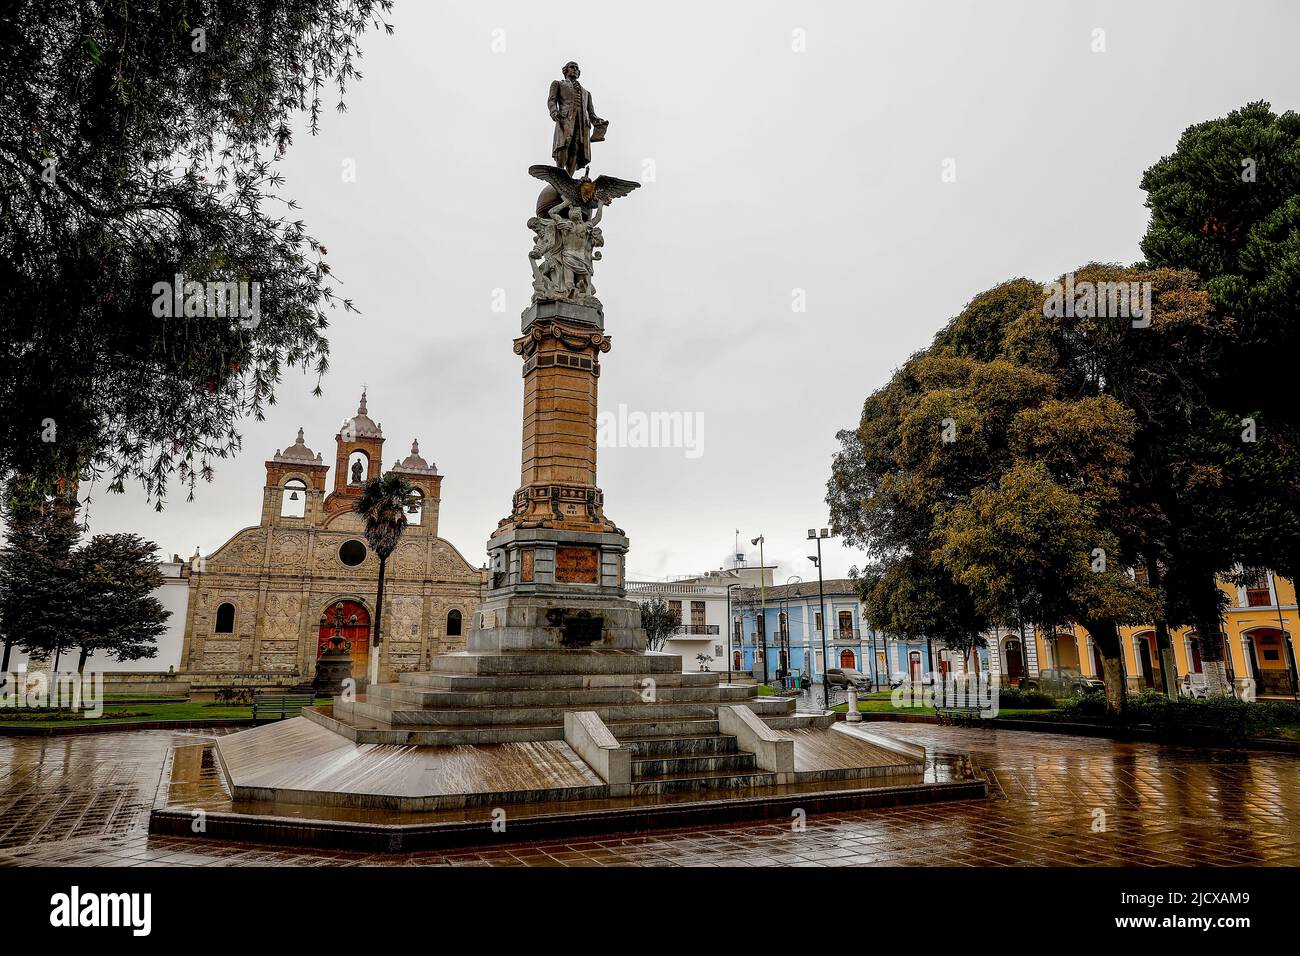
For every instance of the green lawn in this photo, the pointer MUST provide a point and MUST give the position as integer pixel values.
(881, 702)
(126, 713)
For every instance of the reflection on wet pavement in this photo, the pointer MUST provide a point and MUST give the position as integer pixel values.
(84, 801)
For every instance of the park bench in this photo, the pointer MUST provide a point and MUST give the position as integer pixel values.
(269, 705)
(962, 716)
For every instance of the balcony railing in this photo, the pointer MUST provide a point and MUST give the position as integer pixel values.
(661, 587)
(701, 629)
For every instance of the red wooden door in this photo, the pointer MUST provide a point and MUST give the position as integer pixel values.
(1015, 664)
(354, 626)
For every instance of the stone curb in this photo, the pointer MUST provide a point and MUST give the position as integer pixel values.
(1264, 744)
(103, 728)
(393, 838)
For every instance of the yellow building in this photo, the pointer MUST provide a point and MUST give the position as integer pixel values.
(1260, 623)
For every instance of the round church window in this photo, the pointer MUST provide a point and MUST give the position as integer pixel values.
(352, 553)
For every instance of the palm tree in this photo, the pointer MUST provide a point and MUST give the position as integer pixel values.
(383, 503)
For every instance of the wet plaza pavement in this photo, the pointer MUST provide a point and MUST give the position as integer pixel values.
(84, 800)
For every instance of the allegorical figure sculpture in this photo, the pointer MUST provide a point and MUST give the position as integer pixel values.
(576, 124)
(566, 229)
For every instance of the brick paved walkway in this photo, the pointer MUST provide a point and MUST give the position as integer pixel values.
(84, 800)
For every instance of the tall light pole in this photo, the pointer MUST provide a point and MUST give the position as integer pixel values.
(731, 630)
(821, 597)
(785, 627)
(762, 598)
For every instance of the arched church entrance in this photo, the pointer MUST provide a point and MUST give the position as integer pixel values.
(351, 619)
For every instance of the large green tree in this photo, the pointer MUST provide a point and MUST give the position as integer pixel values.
(57, 596)
(117, 577)
(926, 440)
(1226, 205)
(40, 597)
(1179, 515)
(140, 141)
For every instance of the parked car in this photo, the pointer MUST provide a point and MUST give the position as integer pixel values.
(843, 677)
(1063, 680)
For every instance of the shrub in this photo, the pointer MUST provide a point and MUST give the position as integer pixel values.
(1015, 698)
(234, 695)
(1092, 704)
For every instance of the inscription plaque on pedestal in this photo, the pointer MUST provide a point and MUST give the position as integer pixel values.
(577, 565)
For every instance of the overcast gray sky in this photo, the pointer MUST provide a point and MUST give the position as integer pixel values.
(774, 170)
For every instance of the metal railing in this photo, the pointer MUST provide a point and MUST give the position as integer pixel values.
(661, 587)
(705, 629)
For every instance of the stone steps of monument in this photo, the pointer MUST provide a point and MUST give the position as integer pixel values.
(714, 780)
(408, 717)
(556, 662)
(427, 698)
(570, 681)
(652, 768)
(631, 731)
(685, 744)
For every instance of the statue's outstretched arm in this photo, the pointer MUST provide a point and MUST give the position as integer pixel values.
(600, 211)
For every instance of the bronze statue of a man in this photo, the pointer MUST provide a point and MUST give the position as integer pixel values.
(576, 124)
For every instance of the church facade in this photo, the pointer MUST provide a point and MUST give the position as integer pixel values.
(263, 605)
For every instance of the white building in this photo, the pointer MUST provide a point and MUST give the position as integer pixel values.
(700, 601)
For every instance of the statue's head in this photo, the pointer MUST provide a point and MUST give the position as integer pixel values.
(571, 71)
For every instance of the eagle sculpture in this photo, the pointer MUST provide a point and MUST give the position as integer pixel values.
(584, 193)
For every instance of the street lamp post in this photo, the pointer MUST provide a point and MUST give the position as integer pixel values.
(762, 598)
(821, 597)
(785, 625)
(731, 630)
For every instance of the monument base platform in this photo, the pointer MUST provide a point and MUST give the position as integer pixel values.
(555, 735)
(194, 778)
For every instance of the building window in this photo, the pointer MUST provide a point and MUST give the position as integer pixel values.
(293, 500)
(352, 553)
(819, 620)
(226, 619)
(675, 609)
(1256, 584)
(717, 650)
(697, 614)
(846, 623)
(453, 623)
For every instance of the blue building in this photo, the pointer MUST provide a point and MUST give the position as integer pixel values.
(786, 622)
(791, 632)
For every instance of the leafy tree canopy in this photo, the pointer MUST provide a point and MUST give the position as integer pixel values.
(139, 141)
